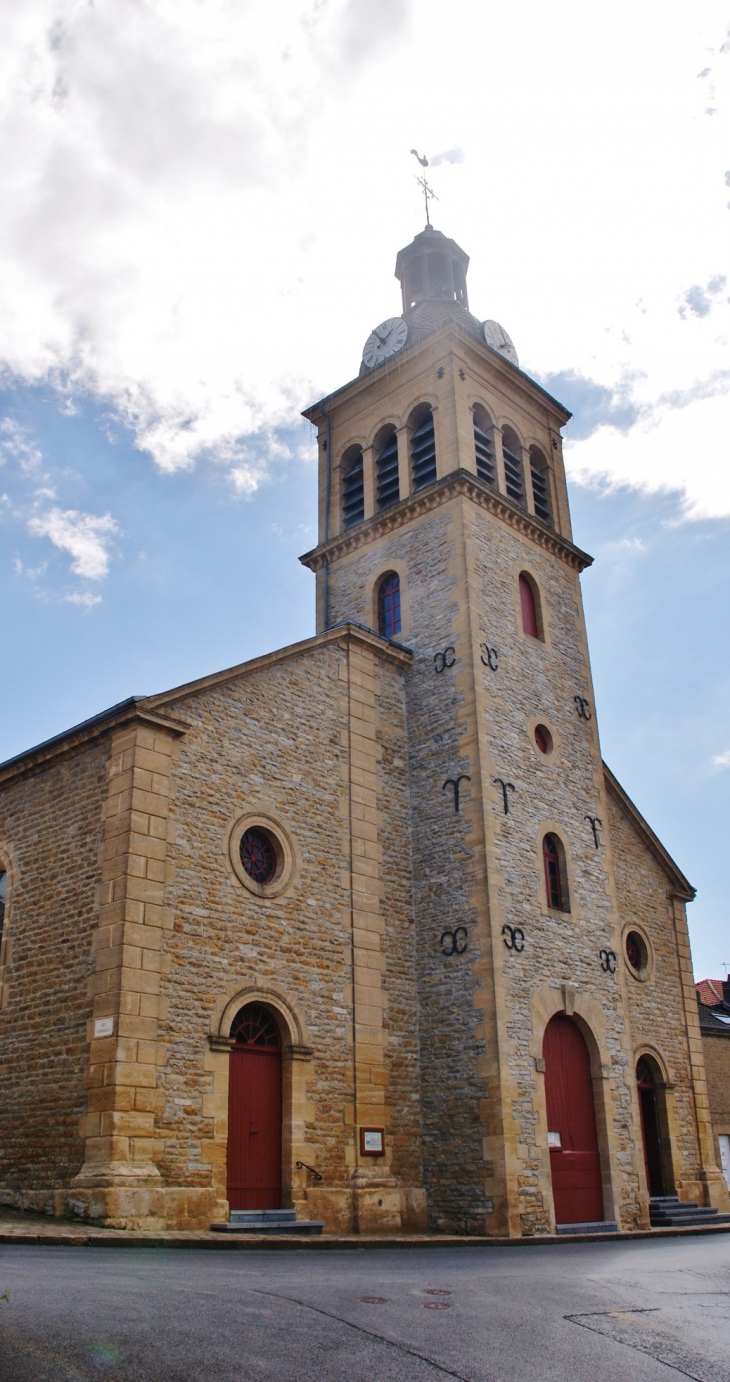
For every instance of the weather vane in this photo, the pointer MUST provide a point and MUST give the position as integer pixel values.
(428, 193)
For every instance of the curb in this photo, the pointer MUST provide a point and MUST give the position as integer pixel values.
(115, 1238)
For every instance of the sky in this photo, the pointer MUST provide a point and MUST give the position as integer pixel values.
(200, 208)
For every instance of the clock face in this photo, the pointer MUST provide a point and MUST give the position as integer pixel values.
(384, 341)
(496, 337)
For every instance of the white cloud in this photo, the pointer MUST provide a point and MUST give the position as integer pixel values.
(722, 760)
(84, 598)
(200, 206)
(83, 535)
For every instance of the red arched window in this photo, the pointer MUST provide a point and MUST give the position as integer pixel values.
(389, 605)
(557, 893)
(528, 607)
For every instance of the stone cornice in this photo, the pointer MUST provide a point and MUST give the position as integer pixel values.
(134, 710)
(681, 888)
(458, 482)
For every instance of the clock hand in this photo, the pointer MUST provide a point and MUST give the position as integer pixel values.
(380, 337)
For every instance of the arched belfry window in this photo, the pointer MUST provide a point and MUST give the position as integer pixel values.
(388, 484)
(530, 607)
(423, 447)
(483, 446)
(353, 489)
(540, 485)
(556, 875)
(514, 475)
(389, 605)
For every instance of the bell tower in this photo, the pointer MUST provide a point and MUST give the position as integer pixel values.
(444, 525)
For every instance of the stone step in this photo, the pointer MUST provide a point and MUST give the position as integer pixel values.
(268, 1216)
(592, 1226)
(677, 1218)
(268, 1221)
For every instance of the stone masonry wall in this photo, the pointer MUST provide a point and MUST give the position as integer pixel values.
(655, 1004)
(451, 1049)
(51, 822)
(277, 740)
(717, 1065)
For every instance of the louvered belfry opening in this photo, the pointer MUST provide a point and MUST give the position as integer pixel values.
(423, 450)
(540, 485)
(483, 447)
(514, 477)
(353, 489)
(388, 484)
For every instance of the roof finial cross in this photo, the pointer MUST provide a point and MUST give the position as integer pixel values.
(428, 192)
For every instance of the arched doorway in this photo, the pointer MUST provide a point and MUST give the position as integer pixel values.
(254, 1111)
(574, 1160)
(651, 1127)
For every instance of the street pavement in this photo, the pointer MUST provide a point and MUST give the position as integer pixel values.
(640, 1311)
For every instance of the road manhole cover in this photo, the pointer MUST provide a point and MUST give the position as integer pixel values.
(436, 1304)
(374, 1300)
(437, 1291)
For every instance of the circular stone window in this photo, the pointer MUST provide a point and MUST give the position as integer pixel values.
(637, 953)
(258, 855)
(261, 853)
(543, 739)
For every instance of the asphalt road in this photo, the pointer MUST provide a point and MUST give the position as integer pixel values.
(643, 1311)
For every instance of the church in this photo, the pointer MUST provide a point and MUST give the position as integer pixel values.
(365, 928)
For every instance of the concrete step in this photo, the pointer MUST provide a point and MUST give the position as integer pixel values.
(268, 1221)
(592, 1226)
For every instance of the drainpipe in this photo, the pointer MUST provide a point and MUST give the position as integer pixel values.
(327, 494)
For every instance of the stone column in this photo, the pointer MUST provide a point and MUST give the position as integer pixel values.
(119, 1176)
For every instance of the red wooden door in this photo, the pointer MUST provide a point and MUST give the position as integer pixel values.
(575, 1165)
(254, 1126)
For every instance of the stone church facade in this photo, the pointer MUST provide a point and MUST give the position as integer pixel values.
(387, 862)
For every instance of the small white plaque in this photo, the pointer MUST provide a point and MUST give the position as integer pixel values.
(554, 1139)
(372, 1141)
(104, 1026)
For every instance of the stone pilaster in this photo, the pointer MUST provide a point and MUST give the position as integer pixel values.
(120, 1171)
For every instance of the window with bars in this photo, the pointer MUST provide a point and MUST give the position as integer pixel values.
(514, 475)
(423, 451)
(389, 605)
(540, 485)
(556, 883)
(353, 491)
(388, 484)
(486, 467)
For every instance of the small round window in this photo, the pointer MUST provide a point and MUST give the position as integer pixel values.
(636, 951)
(258, 855)
(543, 738)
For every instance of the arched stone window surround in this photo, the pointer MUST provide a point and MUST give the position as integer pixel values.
(537, 459)
(551, 827)
(416, 414)
(511, 439)
(665, 1107)
(383, 435)
(588, 1015)
(644, 975)
(296, 1071)
(346, 462)
(483, 418)
(566, 872)
(525, 568)
(8, 865)
(371, 594)
(268, 819)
